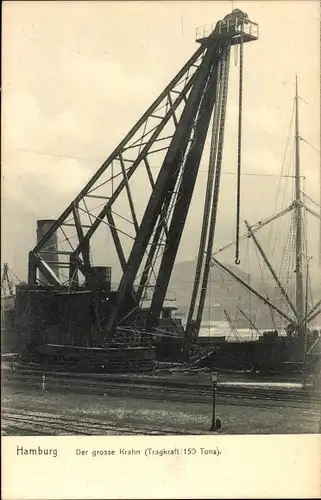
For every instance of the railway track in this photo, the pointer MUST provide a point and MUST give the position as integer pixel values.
(36, 423)
(164, 390)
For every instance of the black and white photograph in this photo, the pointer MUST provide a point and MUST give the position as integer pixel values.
(161, 219)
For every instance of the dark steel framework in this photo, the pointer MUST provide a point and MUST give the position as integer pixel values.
(164, 148)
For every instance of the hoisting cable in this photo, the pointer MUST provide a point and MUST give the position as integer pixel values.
(209, 191)
(214, 208)
(239, 159)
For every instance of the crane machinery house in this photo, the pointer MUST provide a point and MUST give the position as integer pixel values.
(235, 21)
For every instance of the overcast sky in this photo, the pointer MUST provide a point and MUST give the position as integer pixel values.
(77, 75)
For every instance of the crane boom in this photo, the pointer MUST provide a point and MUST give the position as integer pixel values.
(6, 280)
(232, 325)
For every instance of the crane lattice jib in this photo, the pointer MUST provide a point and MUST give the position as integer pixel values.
(172, 133)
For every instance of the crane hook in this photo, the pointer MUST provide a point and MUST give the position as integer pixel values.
(239, 159)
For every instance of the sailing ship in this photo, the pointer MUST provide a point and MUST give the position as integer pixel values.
(290, 345)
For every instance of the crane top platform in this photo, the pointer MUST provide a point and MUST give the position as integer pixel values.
(237, 29)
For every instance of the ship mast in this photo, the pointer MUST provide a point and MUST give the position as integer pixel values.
(298, 220)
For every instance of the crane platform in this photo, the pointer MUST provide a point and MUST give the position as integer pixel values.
(236, 32)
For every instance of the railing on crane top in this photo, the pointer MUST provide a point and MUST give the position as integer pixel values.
(235, 25)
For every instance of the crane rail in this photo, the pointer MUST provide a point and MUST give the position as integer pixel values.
(162, 389)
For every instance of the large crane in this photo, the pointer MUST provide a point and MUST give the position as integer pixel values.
(166, 145)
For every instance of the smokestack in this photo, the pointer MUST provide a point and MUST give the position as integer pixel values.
(49, 252)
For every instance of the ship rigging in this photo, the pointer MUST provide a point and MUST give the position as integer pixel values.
(300, 312)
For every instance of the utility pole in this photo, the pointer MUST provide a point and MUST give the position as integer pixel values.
(216, 423)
